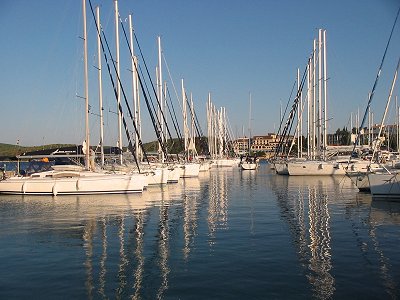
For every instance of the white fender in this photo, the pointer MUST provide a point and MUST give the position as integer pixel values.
(54, 190)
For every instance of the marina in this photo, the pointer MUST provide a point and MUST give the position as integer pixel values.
(227, 234)
(126, 176)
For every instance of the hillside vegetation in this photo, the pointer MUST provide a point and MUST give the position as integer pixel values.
(8, 150)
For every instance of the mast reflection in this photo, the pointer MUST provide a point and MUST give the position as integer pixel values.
(320, 260)
(190, 197)
(310, 230)
(218, 204)
(384, 213)
(88, 234)
(163, 247)
(103, 258)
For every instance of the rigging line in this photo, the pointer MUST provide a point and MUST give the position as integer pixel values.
(287, 105)
(163, 147)
(173, 122)
(371, 95)
(172, 81)
(197, 123)
(173, 117)
(152, 85)
(157, 129)
(157, 121)
(147, 89)
(154, 120)
(148, 74)
(292, 113)
(281, 146)
(130, 145)
(296, 110)
(176, 93)
(386, 109)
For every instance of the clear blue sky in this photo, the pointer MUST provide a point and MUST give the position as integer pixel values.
(228, 48)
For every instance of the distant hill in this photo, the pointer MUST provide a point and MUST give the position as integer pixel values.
(9, 151)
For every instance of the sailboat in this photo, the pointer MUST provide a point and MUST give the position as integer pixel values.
(190, 168)
(249, 162)
(384, 182)
(317, 163)
(74, 179)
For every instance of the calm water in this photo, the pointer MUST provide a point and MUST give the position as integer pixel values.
(226, 235)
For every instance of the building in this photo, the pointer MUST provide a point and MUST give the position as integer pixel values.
(241, 146)
(264, 143)
(259, 143)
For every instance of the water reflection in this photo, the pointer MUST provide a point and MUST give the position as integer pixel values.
(384, 214)
(191, 198)
(103, 258)
(163, 250)
(173, 241)
(88, 246)
(123, 225)
(217, 217)
(303, 203)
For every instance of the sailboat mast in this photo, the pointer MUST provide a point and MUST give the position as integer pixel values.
(118, 81)
(398, 125)
(325, 98)
(192, 134)
(86, 86)
(314, 101)
(134, 90)
(319, 141)
(298, 114)
(249, 146)
(184, 113)
(309, 110)
(100, 87)
(160, 98)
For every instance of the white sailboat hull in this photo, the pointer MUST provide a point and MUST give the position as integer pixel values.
(205, 166)
(174, 175)
(220, 163)
(157, 176)
(315, 168)
(73, 183)
(281, 168)
(248, 166)
(190, 170)
(384, 185)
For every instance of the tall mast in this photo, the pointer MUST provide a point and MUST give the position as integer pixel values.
(160, 97)
(135, 91)
(398, 125)
(100, 87)
(216, 131)
(309, 110)
(192, 134)
(298, 114)
(301, 121)
(319, 141)
(249, 146)
(325, 98)
(118, 79)
(314, 101)
(86, 86)
(184, 113)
